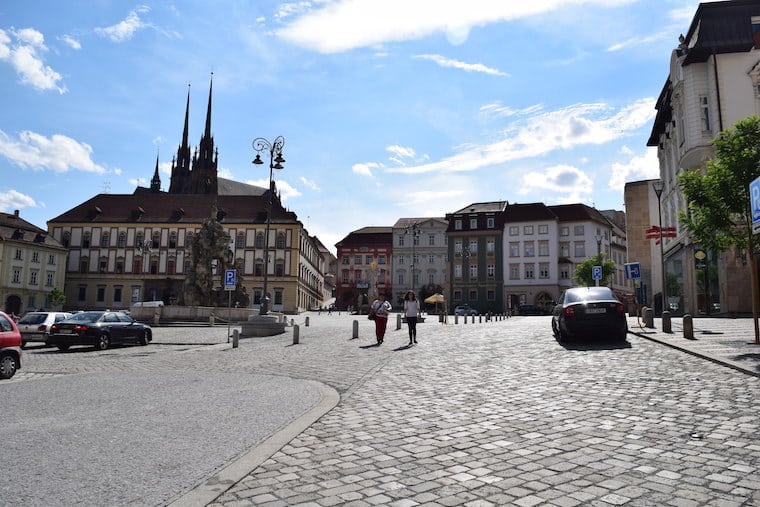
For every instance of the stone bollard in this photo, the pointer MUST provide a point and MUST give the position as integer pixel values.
(688, 327)
(211, 320)
(307, 322)
(666, 325)
(456, 319)
(398, 321)
(356, 330)
(296, 335)
(649, 318)
(235, 338)
(480, 319)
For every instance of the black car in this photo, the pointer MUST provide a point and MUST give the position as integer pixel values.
(530, 310)
(99, 329)
(589, 311)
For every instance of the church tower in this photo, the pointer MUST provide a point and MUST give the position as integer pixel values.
(203, 177)
(180, 178)
(155, 183)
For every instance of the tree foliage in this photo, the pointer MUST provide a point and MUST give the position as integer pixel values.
(56, 297)
(719, 214)
(583, 275)
(209, 244)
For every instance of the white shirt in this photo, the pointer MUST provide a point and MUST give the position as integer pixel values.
(412, 308)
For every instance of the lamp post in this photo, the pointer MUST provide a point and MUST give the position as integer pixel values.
(415, 234)
(658, 187)
(275, 162)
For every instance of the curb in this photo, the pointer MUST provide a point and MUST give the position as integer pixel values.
(235, 471)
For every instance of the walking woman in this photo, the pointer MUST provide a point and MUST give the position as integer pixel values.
(411, 312)
(380, 307)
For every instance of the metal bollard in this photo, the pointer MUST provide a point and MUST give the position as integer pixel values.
(666, 324)
(211, 320)
(688, 327)
(456, 319)
(356, 330)
(235, 338)
(649, 318)
(307, 322)
(480, 319)
(296, 333)
(398, 321)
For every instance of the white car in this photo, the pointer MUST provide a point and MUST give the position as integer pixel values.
(35, 326)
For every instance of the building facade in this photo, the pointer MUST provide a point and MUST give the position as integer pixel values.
(420, 254)
(713, 82)
(364, 267)
(32, 264)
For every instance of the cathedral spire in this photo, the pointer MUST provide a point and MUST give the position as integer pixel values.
(155, 183)
(187, 119)
(207, 133)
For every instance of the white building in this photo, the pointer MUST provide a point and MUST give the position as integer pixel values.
(419, 256)
(714, 81)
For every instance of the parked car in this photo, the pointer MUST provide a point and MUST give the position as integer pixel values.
(530, 310)
(100, 329)
(465, 310)
(589, 311)
(35, 326)
(10, 347)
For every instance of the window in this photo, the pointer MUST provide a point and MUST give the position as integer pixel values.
(345, 260)
(514, 230)
(171, 267)
(381, 259)
(473, 295)
(490, 246)
(489, 223)
(514, 249)
(82, 293)
(279, 268)
(457, 295)
(357, 259)
(51, 259)
(431, 278)
(86, 240)
(139, 239)
(564, 231)
(49, 277)
(258, 268)
(490, 270)
(381, 276)
(415, 259)
(415, 279)
(33, 278)
(401, 279)
(119, 266)
(543, 229)
(173, 240)
(514, 271)
(280, 241)
(105, 240)
(543, 270)
(257, 296)
(344, 276)
(401, 240)
(278, 297)
(458, 224)
(369, 259)
(529, 248)
(473, 270)
(457, 271)
(137, 265)
(154, 266)
(530, 271)
(36, 257)
(564, 273)
(431, 259)
(458, 247)
(102, 265)
(491, 295)
(259, 243)
(240, 240)
(83, 265)
(704, 113)
(564, 249)
(16, 277)
(580, 249)
(66, 239)
(17, 256)
(431, 239)
(473, 248)
(400, 260)
(578, 230)
(155, 241)
(117, 294)
(473, 223)
(121, 240)
(543, 248)
(100, 294)
(528, 230)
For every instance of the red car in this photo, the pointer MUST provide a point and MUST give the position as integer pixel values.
(10, 346)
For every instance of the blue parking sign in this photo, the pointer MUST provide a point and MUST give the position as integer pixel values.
(596, 273)
(229, 279)
(754, 202)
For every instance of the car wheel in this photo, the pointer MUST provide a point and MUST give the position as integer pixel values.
(23, 343)
(63, 347)
(103, 342)
(7, 366)
(144, 337)
(562, 336)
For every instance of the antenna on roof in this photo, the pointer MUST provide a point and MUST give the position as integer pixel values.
(106, 187)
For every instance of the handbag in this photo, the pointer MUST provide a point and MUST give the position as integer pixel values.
(371, 315)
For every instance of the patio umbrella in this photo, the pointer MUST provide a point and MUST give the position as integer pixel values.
(435, 298)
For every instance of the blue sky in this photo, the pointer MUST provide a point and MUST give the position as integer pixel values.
(389, 108)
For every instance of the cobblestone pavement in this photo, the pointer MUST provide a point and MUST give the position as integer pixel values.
(484, 413)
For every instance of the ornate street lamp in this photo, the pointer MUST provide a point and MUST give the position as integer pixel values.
(275, 162)
(658, 187)
(414, 232)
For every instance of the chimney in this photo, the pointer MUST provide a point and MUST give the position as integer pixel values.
(15, 213)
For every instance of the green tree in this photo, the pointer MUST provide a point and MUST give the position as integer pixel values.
(56, 297)
(583, 275)
(719, 215)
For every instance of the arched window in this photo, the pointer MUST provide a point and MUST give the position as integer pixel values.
(139, 238)
(260, 240)
(240, 240)
(280, 242)
(122, 240)
(173, 240)
(105, 240)
(156, 240)
(66, 239)
(86, 240)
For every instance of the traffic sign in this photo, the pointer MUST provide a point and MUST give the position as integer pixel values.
(230, 279)
(754, 202)
(633, 270)
(596, 273)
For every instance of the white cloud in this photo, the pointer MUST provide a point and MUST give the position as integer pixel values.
(576, 125)
(343, 25)
(58, 153)
(284, 189)
(641, 41)
(126, 28)
(642, 167)
(572, 184)
(24, 55)
(469, 67)
(365, 169)
(71, 42)
(311, 184)
(13, 200)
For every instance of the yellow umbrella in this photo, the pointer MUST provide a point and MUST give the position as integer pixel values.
(435, 298)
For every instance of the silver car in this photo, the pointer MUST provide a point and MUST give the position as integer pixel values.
(35, 326)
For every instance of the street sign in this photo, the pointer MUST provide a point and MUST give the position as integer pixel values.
(230, 279)
(754, 202)
(632, 270)
(596, 273)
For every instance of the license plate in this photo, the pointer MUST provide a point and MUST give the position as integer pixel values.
(596, 310)
(67, 331)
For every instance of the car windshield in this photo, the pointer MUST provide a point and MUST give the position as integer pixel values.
(589, 294)
(86, 316)
(33, 318)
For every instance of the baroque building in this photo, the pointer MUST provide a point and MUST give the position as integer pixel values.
(135, 247)
(364, 267)
(420, 257)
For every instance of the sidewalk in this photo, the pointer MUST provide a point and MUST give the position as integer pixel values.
(726, 341)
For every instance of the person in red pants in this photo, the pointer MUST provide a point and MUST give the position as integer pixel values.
(380, 307)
